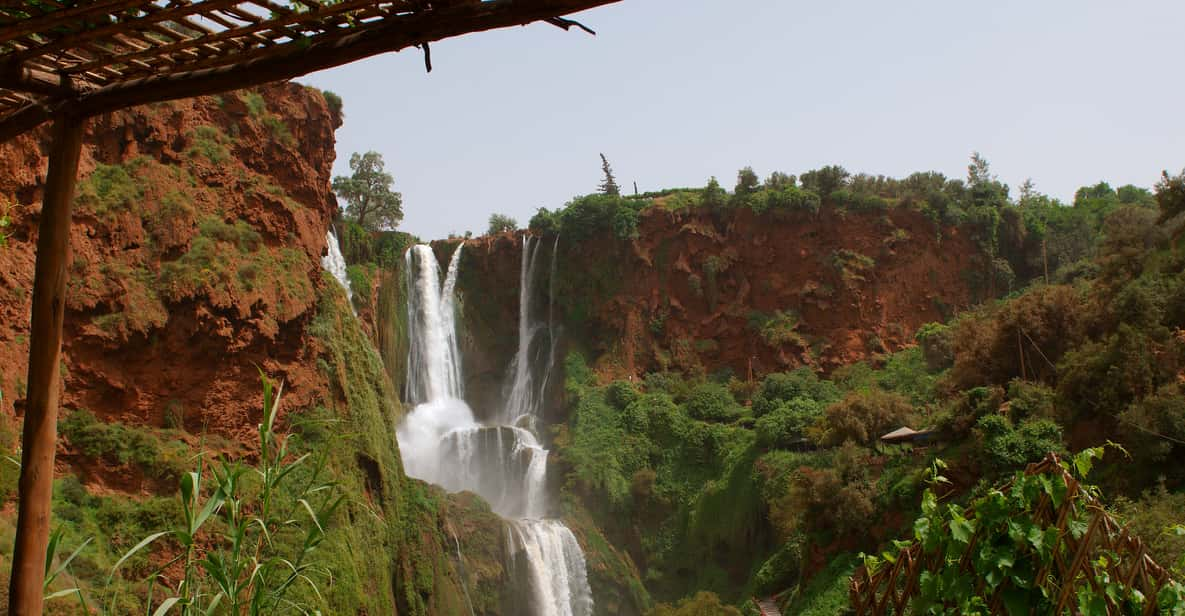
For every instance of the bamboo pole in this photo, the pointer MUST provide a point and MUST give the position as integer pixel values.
(39, 439)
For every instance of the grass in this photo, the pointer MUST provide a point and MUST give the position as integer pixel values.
(229, 260)
(210, 143)
(117, 443)
(108, 189)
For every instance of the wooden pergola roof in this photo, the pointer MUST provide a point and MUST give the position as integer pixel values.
(93, 56)
(68, 60)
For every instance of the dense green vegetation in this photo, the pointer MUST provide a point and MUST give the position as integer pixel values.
(740, 488)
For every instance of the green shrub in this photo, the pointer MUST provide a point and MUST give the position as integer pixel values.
(1007, 448)
(109, 188)
(858, 202)
(785, 386)
(333, 101)
(360, 281)
(791, 199)
(621, 394)
(1027, 400)
(702, 604)
(853, 268)
(584, 217)
(863, 416)
(279, 129)
(712, 402)
(788, 422)
(935, 339)
(577, 369)
(120, 444)
(209, 142)
(779, 329)
(256, 106)
(240, 233)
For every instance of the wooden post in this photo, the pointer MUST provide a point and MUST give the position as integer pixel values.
(39, 439)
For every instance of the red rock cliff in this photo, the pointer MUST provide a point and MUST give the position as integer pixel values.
(701, 292)
(197, 234)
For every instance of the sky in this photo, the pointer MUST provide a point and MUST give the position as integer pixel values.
(1067, 92)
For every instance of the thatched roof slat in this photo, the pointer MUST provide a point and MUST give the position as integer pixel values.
(112, 53)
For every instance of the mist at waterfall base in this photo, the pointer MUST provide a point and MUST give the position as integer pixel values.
(442, 442)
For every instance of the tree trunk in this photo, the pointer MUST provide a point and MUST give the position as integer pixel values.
(39, 439)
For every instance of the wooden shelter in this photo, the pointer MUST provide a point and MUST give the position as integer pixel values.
(67, 60)
(905, 434)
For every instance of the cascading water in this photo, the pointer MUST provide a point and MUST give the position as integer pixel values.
(441, 441)
(334, 263)
(528, 376)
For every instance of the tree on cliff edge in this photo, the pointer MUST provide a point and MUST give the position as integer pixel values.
(370, 202)
(609, 185)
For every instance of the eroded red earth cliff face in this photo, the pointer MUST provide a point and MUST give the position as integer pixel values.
(172, 303)
(820, 290)
(700, 292)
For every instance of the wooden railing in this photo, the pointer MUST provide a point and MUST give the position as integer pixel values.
(1080, 560)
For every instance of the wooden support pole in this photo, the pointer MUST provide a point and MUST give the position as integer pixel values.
(39, 439)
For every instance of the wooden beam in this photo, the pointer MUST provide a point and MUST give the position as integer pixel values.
(19, 78)
(295, 60)
(39, 438)
(24, 120)
(300, 58)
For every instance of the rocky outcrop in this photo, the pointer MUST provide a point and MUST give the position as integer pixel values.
(198, 229)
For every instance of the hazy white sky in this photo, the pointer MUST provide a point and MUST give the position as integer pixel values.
(1068, 92)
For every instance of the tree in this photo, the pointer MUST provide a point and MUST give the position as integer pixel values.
(979, 171)
(609, 184)
(714, 196)
(778, 181)
(1170, 194)
(826, 180)
(501, 223)
(370, 202)
(746, 182)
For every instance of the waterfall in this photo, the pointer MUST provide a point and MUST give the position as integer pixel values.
(528, 382)
(556, 565)
(433, 366)
(334, 263)
(441, 442)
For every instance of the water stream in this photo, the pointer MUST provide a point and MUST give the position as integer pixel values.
(442, 442)
(334, 263)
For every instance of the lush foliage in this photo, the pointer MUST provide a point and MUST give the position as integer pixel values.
(585, 217)
(1007, 543)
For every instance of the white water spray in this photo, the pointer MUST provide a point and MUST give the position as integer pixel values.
(440, 441)
(334, 263)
